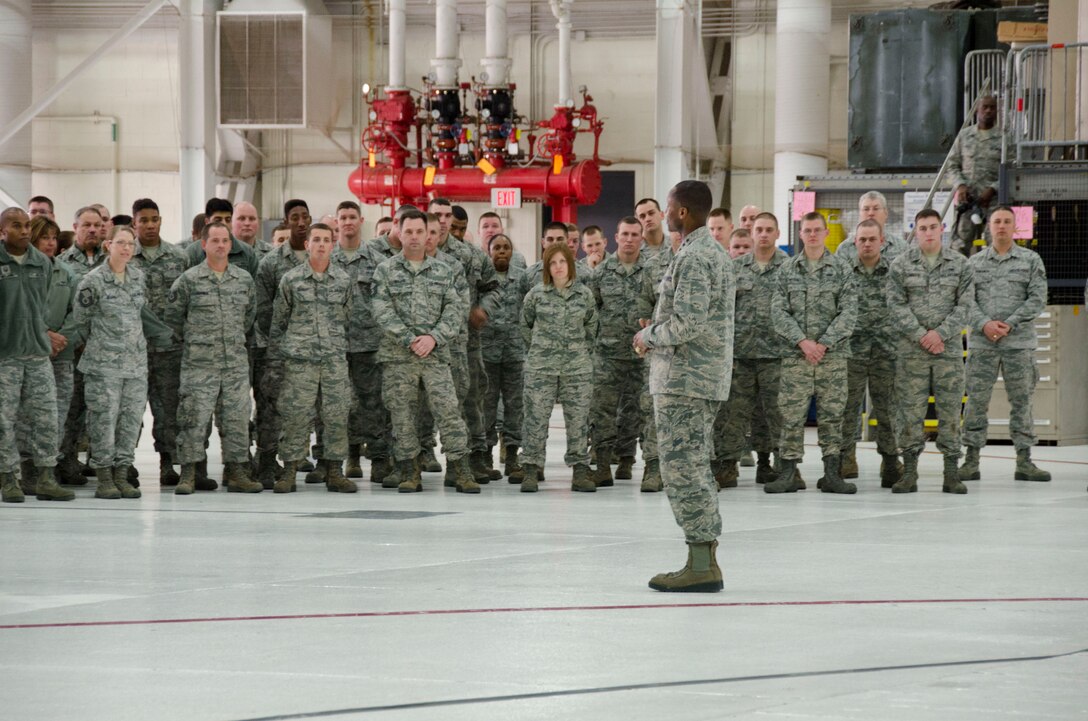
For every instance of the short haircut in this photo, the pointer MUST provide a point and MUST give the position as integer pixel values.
(695, 196)
(648, 200)
(294, 203)
(874, 195)
(721, 213)
(488, 214)
(1005, 209)
(65, 238)
(349, 205)
(406, 208)
(207, 229)
(553, 249)
(628, 220)
(572, 227)
(926, 213)
(592, 230)
(384, 219)
(198, 222)
(42, 199)
(410, 214)
(814, 216)
(440, 201)
(318, 226)
(766, 215)
(144, 204)
(432, 218)
(740, 233)
(870, 223)
(281, 227)
(121, 220)
(554, 225)
(495, 237)
(86, 209)
(217, 205)
(460, 213)
(41, 226)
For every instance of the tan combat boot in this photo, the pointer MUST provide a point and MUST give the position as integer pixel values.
(9, 489)
(106, 487)
(352, 467)
(1028, 471)
(465, 482)
(532, 476)
(700, 574)
(187, 480)
(514, 472)
(727, 475)
(581, 481)
(952, 482)
(908, 483)
(602, 477)
(120, 479)
(287, 482)
(651, 477)
(849, 465)
(969, 471)
(317, 475)
(787, 481)
(237, 479)
(428, 463)
(624, 471)
(334, 479)
(411, 476)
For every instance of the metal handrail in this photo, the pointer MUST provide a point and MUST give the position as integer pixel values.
(1038, 114)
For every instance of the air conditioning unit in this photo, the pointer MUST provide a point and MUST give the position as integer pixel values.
(274, 66)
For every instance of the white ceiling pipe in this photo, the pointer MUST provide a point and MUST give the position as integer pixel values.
(396, 44)
(496, 62)
(445, 62)
(15, 80)
(561, 10)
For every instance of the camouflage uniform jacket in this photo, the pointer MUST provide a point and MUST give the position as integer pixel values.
(873, 332)
(77, 261)
(654, 267)
(501, 338)
(753, 336)
(818, 304)
(692, 334)
(483, 282)
(532, 277)
(648, 251)
(975, 158)
(261, 248)
(271, 271)
(921, 298)
(310, 314)
(382, 248)
(58, 314)
(115, 322)
(460, 343)
(213, 316)
(159, 276)
(616, 291)
(893, 247)
(559, 328)
(1010, 288)
(364, 335)
(24, 294)
(410, 303)
(241, 255)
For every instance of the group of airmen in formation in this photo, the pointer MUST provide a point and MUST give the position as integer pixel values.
(377, 344)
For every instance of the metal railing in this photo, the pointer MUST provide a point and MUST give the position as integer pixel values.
(1044, 106)
(978, 66)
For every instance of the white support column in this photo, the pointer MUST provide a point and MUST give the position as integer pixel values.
(397, 21)
(561, 10)
(802, 96)
(198, 105)
(496, 62)
(671, 163)
(445, 62)
(15, 89)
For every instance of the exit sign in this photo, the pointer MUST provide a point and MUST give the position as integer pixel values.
(506, 197)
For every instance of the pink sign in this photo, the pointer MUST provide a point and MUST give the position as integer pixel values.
(804, 201)
(1025, 221)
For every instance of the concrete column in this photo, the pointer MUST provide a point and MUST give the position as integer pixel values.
(198, 106)
(16, 91)
(802, 96)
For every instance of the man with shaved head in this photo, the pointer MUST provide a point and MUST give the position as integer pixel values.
(747, 216)
(246, 227)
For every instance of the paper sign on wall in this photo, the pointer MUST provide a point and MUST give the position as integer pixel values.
(804, 201)
(1025, 221)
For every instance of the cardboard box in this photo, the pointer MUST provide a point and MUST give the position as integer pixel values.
(1010, 32)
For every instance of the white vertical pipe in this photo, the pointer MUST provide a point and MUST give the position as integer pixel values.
(802, 95)
(496, 62)
(396, 44)
(561, 10)
(195, 60)
(15, 81)
(445, 62)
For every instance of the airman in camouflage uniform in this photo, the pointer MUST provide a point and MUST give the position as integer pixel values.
(973, 165)
(245, 225)
(617, 370)
(26, 376)
(873, 206)
(161, 263)
(872, 356)
(112, 317)
(929, 295)
(814, 309)
(559, 325)
(418, 307)
(504, 357)
(654, 267)
(213, 306)
(309, 332)
(1010, 293)
(690, 343)
(757, 361)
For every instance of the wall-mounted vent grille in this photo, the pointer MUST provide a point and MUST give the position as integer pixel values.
(262, 70)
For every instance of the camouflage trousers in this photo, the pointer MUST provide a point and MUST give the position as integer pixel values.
(753, 403)
(542, 391)
(1020, 374)
(684, 427)
(115, 412)
(918, 375)
(508, 381)
(473, 403)
(27, 389)
(616, 415)
(267, 395)
(26, 427)
(401, 383)
(163, 382)
(74, 420)
(649, 429)
(368, 421)
(878, 373)
(205, 391)
(425, 419)
(257, 361)
(314, 388)
(801, 381)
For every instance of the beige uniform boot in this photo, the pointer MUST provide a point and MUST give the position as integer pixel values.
(120, 479)
(106, 487)
(701, 574)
